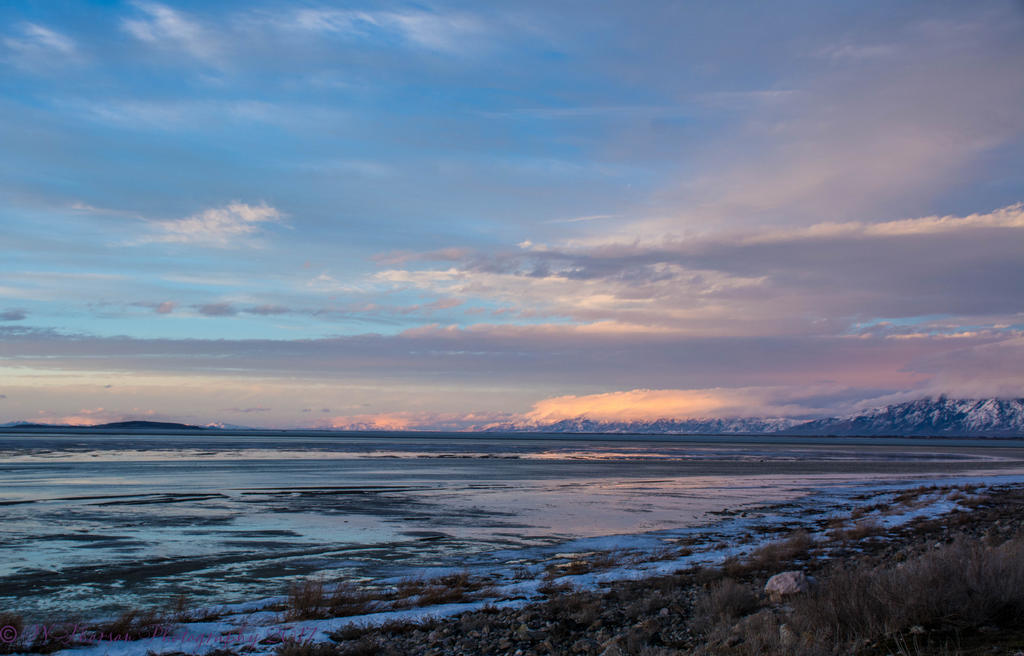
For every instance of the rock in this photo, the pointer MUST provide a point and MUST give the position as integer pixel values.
(786, 584)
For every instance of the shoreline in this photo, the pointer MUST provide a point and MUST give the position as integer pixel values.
(594, 568)
(115, 525)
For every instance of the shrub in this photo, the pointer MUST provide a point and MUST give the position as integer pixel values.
(958, 586)
(725, 602)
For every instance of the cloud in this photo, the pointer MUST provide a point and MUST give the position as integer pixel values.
(203, 116)
(164, 307)
(544, 360)
(247, 410)
(825, 278)
(394, 258)
(37, 46)
(217, 310)
(653, 404)
(84, 417)
(415, 420)
(164, 27)
(230, 226)
(268, 310)
(13, 315)
(1009, 217)
(579, 219)
(450, 33)
(639, 404)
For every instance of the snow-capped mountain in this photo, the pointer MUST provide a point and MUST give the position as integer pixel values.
(936, 417)
(941, 416)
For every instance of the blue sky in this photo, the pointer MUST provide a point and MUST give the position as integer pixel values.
(447, 214)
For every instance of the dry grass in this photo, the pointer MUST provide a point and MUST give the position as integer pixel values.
(958, 586)
(306, 600)
(181, 610)
(772, 556)
(859, 531)
(776, 553)
(452, 588)
(861, 511)
(313, 599)
(661, 553)
(946, 592)
(725, 602)
(297, 648)
(569, 613)
(913, 496)
(135, 624)
(549, 588)
(584, 564)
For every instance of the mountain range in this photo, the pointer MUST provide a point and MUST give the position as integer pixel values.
(934, 417)
(941, 417)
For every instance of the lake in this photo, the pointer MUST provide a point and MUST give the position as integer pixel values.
(94, 523)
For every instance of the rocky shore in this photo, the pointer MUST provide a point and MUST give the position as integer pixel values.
(947, 585)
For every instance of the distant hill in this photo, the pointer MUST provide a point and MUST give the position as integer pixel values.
(926, 417)
(117, 425)
(149, 425)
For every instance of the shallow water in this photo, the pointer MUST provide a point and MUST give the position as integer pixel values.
(94, 523)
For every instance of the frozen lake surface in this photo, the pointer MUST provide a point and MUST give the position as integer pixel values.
(94, 523)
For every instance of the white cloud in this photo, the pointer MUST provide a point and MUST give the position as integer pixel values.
(439, 32)
(446, 33)
(165, 27)
(169, 114)
(579, 219)
(1010, 217)
(221, 227)
(37, 46)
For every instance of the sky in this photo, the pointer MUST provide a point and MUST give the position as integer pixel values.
(447, 215)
